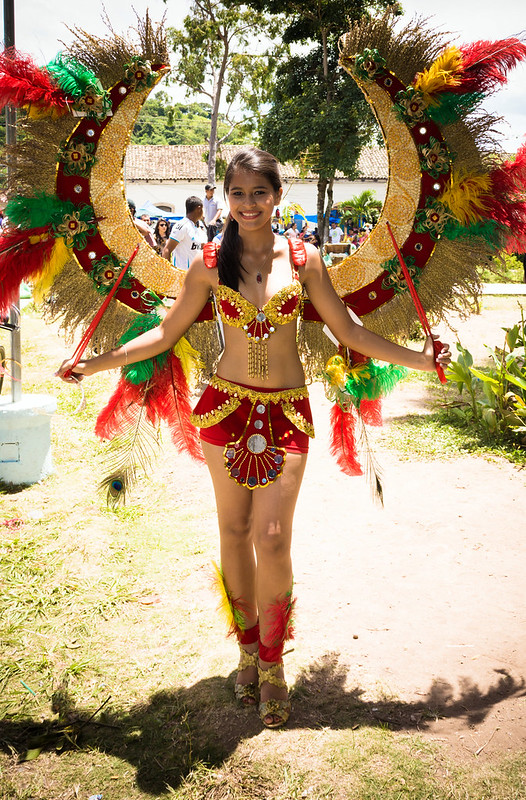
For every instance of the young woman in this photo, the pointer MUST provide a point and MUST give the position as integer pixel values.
(254, 415)
(161, 232)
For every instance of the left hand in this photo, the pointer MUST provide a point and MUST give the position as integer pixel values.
(443, 358)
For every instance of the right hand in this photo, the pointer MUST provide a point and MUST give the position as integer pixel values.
(71, 374)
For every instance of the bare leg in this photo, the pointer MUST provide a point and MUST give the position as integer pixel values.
(273, 511)
(234, 513)
(260, 520)
(238, 562)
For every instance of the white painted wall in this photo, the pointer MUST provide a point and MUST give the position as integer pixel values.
(25, 438)
(175, 194)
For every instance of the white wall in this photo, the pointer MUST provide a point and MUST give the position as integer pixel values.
(175, 194)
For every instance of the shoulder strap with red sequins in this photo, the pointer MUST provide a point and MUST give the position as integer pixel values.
(210, 255)
(298, 253)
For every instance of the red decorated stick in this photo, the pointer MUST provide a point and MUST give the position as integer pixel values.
(77, 355)
(418, 305)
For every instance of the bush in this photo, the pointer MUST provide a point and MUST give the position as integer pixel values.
(507, 269)
(497, 398)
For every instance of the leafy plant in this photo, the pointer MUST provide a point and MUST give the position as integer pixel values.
(365, 207)
(506, 268)
(497, 397)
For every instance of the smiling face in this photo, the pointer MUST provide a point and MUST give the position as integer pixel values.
(252, 199)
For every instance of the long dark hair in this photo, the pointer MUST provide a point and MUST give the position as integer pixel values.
(231, 251)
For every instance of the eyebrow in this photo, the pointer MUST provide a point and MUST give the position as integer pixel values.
(262, 186)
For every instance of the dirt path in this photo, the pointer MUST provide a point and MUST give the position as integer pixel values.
(421, 603)
(423, 600)
(416, 607)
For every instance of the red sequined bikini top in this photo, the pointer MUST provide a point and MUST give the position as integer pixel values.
(258, 323)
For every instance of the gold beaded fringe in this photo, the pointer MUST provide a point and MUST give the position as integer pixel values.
(257, 359)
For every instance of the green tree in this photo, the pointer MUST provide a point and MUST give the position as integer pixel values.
(163, 122)
(324, 116)
(218, 57)
(323, 137)
(319, 20)
(362, 208)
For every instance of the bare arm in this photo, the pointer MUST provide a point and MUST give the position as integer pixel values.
(193, 296)
(169, 247)
(334, 313)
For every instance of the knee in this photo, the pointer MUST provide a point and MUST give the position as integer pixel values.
(237, 532)
(272, 541)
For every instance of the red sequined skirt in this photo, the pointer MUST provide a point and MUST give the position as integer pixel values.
(256, 427)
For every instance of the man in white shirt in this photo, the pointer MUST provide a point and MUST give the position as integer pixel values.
(335, 233)
(186, 236)
(212, 211)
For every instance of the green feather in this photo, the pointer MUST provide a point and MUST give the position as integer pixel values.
(35, 212)
(383, 379)
(143, 371)
(453, 107)
(494, 233)
(72, 77)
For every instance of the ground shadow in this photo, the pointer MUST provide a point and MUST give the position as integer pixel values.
(164, 737)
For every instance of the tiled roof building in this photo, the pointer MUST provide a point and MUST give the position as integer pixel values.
(186, 163)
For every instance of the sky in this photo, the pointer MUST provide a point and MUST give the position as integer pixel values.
(40, 27)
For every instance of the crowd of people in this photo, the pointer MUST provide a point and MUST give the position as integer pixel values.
(179, 241)
(203, 222)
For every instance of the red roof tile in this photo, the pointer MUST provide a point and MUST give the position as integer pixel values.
(186, 163)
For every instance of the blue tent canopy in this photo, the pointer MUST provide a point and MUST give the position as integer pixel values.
(154, 213)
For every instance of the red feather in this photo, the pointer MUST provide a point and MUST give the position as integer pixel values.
(171, 399)
(486, 64)
(280, 628)
(343, 442)
(506, 203)
(22, 83)
(20, 260)
(371, 411)
(168, 399)
(120, 411)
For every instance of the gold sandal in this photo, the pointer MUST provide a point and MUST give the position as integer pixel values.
(247, 693)
(273, 708)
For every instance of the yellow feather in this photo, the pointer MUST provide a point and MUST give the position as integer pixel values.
(465, 197)
(190, 358)
(60, 256)
(225, 604)
(443, 72)
(39, 112)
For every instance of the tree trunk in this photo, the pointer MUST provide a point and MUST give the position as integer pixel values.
(219, 80)
(324, 206)
(324, 53)
(328, 208)
(320, 205)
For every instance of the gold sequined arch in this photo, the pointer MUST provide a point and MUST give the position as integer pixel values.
(82, 160)
(447, 274)
(368, 281)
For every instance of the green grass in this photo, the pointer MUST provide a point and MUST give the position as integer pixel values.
(114, 671)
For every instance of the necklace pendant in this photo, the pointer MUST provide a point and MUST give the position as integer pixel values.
(259, 277)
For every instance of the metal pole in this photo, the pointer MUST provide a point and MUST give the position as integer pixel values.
(10, 139)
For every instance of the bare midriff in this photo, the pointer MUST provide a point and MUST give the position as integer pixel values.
(284, 366)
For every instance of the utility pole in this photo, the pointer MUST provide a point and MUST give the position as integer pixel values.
(10, 139)
(25, 422)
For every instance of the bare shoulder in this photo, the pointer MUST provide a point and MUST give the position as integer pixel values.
(314, 264)
(199, 273)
